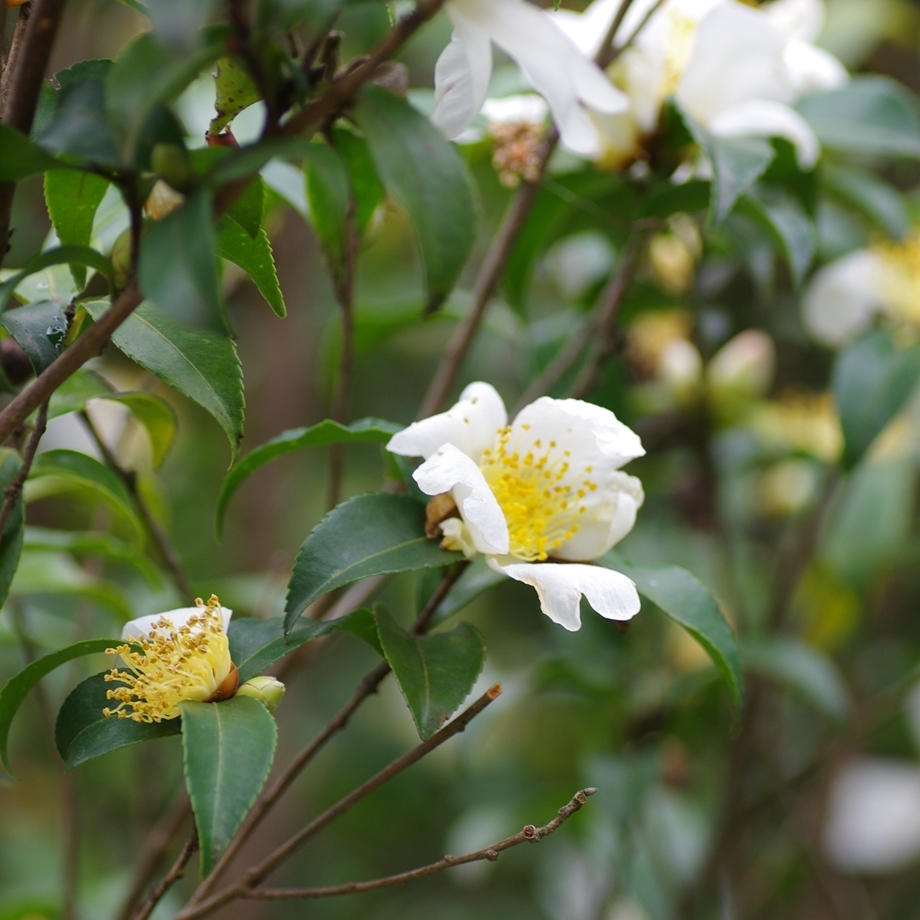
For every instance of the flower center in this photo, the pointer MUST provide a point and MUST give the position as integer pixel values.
(901, 259)
(174, 664)
(538, 493)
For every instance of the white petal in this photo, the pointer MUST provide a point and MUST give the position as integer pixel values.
(470, 425)
(588, 29)
(767, 118)
(842, 298)
(813, 70)
(560, 588)
(140, 628)
(461, 77)
(801, 19)
(450, 470)
(528, 107)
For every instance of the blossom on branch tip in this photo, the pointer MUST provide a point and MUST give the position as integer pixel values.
(539, 497)
(184, 655)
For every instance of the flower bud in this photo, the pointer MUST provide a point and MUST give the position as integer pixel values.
(266, 689)
(163, 200)
(121, 258)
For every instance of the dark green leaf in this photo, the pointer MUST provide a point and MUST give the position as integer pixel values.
(878, 200)
(424, 173)
(371, 534)
(870, 115)
(236, 91)
(178, 25)
(364, 431)
(62, 255)
(18, 686)
(435, 673)
(249, 209)
(328, 198)
(11, 540)
(228, 751)
(82, 732)
(177, 269)
(20, 158)
(366, 186)
(686, 600)
(79, 126)
(477, 579)
(790, 228)
(39, 328)
(871, 381)
(362, 624)
(202, 366)
(254, 256)
(257, 644)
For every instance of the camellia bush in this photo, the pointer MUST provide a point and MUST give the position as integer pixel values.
(645, 273)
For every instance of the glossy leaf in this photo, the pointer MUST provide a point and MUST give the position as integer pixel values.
(17, 687)
(424, 173)
(61, 255)
(366, 187)
(202, 366)
(874, 197)
(435, 673)
(82, 732)
(79, 126)
(258, 644)
(228, 750)
(871, 382)
(254, 256)
(373, 534)
(76, 391)
(39, 329)
(20, 157)
(790, 228)
(236, 91)
(328, 198)
(364, 431)
(12, 538)
(156, 415)
(72, 199)
(249, 209)
(177, 271)
(680, 595)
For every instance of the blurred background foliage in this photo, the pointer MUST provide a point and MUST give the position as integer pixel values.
(816, 569)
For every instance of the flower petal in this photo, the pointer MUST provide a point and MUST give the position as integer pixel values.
(461, 76)
(800, 19)
(811, 69)
(470, 425)
(451, 470)
(140, 627)
(560, 588)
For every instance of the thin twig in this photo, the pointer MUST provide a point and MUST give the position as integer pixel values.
(155, 530)
(261, 870)
(12, 493)
(173, 876)
(607, 60)
(529, 834)
(12, 60)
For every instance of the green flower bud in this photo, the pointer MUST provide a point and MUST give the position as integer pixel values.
(267, 690)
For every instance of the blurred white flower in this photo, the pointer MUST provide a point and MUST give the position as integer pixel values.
(846, 295)
(546, 487)
(743, 367)
(569, 81)
(873, 822)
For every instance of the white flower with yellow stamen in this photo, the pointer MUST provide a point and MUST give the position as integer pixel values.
(184, 656)
(536, 497)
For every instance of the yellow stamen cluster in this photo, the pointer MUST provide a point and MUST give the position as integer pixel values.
(174, 664)
(517, 151)
(902, 277)
(539, 494)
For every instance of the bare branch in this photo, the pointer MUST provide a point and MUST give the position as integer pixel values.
(529, 834)
(14, 490)
(173, 876)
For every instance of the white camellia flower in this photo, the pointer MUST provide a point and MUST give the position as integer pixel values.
(539, 497)
(846, 295)
(552, 64)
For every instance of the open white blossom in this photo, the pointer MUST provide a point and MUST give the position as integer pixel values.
(570, 82)
(846, 295)
(733, 68)
(538, 497)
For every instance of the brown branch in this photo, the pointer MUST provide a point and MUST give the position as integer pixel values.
(261, 870)
(529, 834)
(155, 530)
(605, 60)
(13, 491)
(170, 879)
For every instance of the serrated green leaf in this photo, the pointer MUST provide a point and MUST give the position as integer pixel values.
(236, 91)
(680, 595)
(202, 366)
(373, 534)
(254, 256)
(257, 644)
(79, 126)
(366, 187)
(364, 431)
(72, 199)
(328, 198)
(871, 381)
(76, 391)
(82, 732)
(249, 209)
(39, 329)
(20, 157)
(435, 673)
(12, 537)
(228, 750)
(789, 226)
(156, 415)
(424, 173)
(62, 255)
(18, 686)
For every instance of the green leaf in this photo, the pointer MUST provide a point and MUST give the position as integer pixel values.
(871, 382)
(254, 256)
(789, 226)
(435, 673)
(257, 644)
(328, 199)
(177, 271)
(80, 470)
(236, 91)
(249, 209)
(362, 624)
(878, 200)
(228, 751)
(870, 115)
(82, 732)
(680, 595)
(178, 25)
(366, 187)
(424, 173)
(475, 580)
(11, 540)
(20, 157)
(201, 365)
(39, 328)
(76, 391)
(79, 126)
(73, 255)
(156, 415)
(72, 199)
(364, 431)
(373, 534)
(801, 668)
(18, 686)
